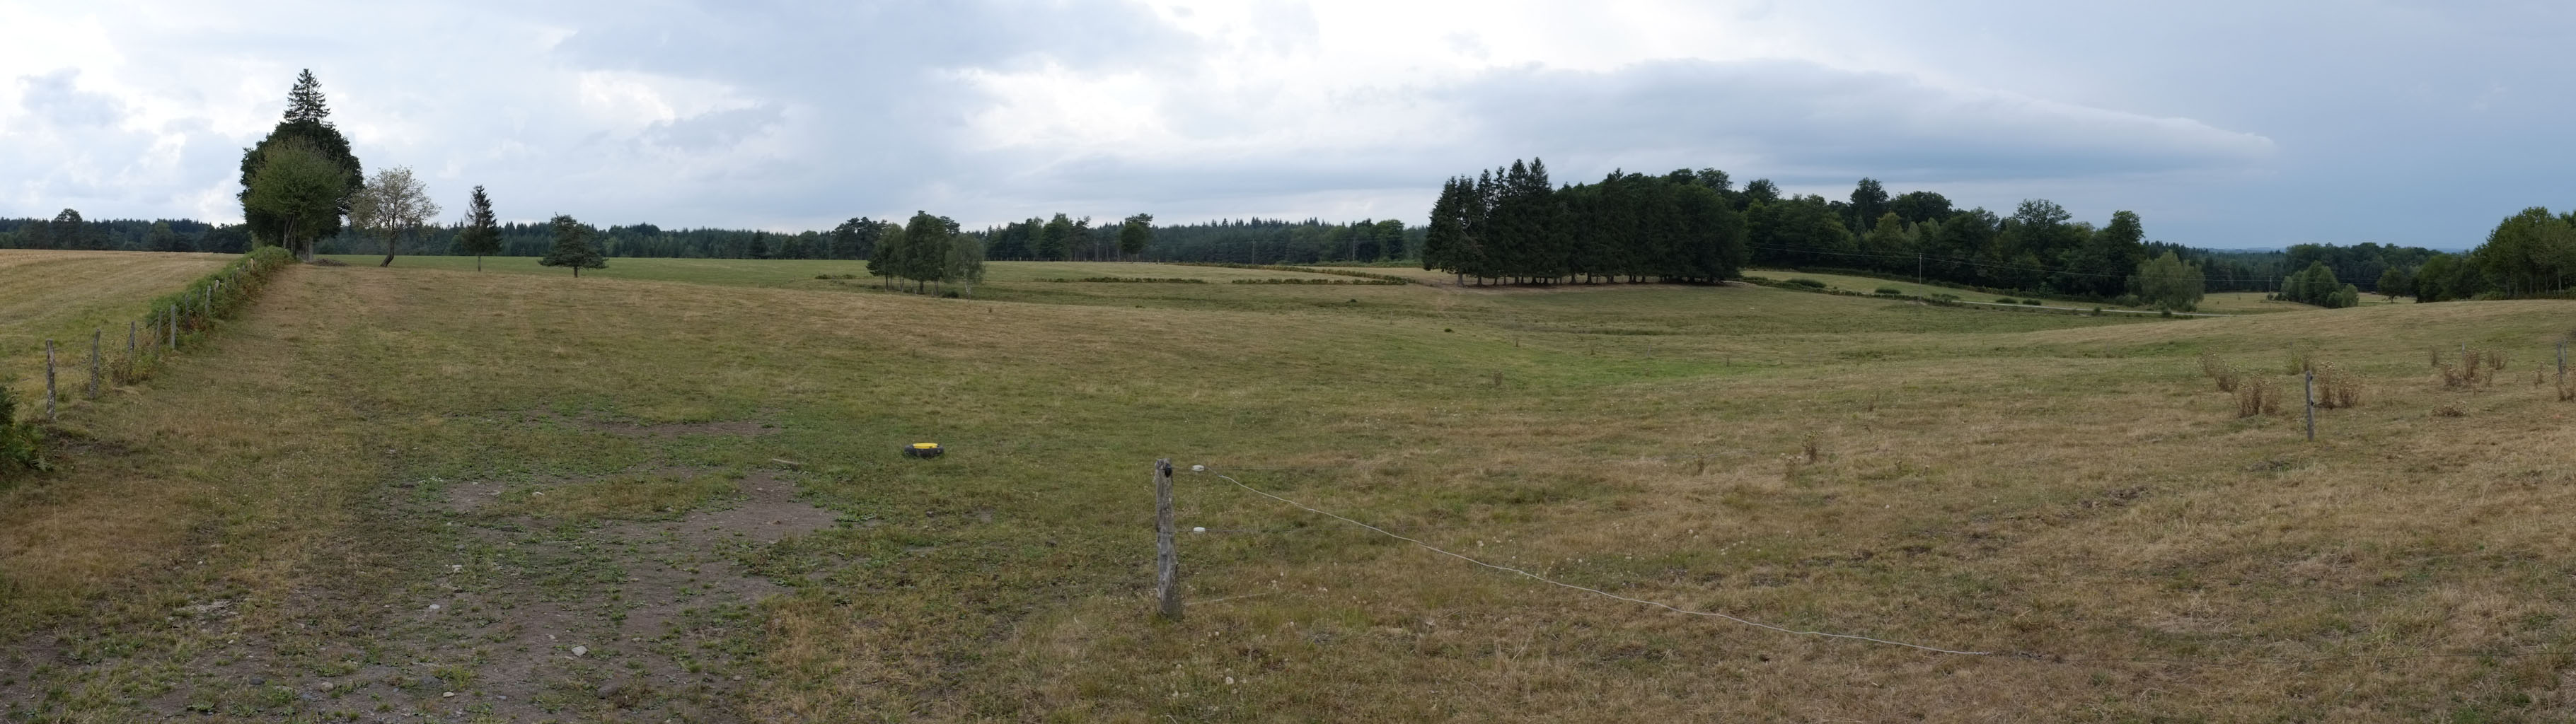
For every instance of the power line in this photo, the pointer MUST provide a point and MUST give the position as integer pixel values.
(1594, 591)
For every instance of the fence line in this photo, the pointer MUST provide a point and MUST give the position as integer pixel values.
(1594, 591)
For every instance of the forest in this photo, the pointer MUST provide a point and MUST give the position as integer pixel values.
(1508, 225)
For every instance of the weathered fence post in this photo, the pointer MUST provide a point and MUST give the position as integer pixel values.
(2311, 384)
(94, 336)
(174, 326)
(1167, 562)
(49, 380)
(129, 338)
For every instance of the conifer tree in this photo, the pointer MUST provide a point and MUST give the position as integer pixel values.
(482, 233)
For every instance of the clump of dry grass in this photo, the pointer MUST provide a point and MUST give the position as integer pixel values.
(2257, 396)
(2449, 411)
(2336, 386)
(2219, 371)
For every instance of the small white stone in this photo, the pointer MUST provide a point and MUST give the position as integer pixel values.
(1199, 529)
(1198, 468)
(1229, 681)
(445, 694)
(433, 607)
(581, 651)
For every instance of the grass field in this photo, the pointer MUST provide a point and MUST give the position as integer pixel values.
(66, 295)
(406, 493)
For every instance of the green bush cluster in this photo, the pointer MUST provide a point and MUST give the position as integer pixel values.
(18, 452)
(1808, 283)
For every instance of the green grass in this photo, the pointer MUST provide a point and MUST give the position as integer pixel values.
(2055, 484)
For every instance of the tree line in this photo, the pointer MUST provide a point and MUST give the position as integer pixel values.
(1508, 225)
(1511, 225)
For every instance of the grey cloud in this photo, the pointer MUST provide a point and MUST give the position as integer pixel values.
(1788, 118)
(713, 130)
(52, 96)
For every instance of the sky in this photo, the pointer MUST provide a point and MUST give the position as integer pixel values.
(2222, 124)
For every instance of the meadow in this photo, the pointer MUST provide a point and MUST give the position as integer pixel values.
(671, 491)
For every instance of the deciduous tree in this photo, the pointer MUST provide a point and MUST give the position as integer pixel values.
(300, 190)
(572, 247)
(394, 204)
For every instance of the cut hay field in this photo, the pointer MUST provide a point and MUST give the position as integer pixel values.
(66, 295)
(409, 494)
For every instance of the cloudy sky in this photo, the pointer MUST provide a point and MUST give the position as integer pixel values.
(2225, 124)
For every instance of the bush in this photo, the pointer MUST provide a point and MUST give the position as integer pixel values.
(2007, 300)
(1808, 283)
(2218, 370)
(18, 453)
(2257, 396)
(2031, 302)
(1891, 291)
(2336, 387)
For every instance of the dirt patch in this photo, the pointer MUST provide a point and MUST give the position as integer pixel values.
(508, 618)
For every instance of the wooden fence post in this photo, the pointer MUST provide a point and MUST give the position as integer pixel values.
(49, 380)
(94, 336)
(2311, 384)
(1167, 562)
(174, 326)
(129, 338)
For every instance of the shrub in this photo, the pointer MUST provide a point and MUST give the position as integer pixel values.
(2007, 300)
(1808, 283)
(2031, 302)
(2257, 396)
(2218, 370)
(1891, 291)
(2337, 387)
(2449, 411)
(18, 453)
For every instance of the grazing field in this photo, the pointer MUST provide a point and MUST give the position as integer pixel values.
(64, 295)
(424, 493)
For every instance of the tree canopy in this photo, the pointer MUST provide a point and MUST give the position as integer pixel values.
(300, 190)
(306, 123)
(572, 247)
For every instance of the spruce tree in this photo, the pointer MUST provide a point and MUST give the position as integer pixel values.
(482, 233)
(572, 247)
(305, 103)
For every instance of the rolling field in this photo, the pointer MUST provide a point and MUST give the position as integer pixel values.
(428, 494)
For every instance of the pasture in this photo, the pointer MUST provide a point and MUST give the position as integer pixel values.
(410, 493)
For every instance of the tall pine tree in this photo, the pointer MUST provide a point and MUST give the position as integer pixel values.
(482, 233)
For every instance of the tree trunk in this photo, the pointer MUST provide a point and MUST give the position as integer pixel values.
(478, 262)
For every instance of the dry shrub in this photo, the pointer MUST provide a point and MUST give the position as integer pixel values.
(2299, 361)
(2337, 387)
(2257, 396)
(2218, 370)
(2449, 411)
(2566, 392)
(2453, 378)
(2495, 361)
